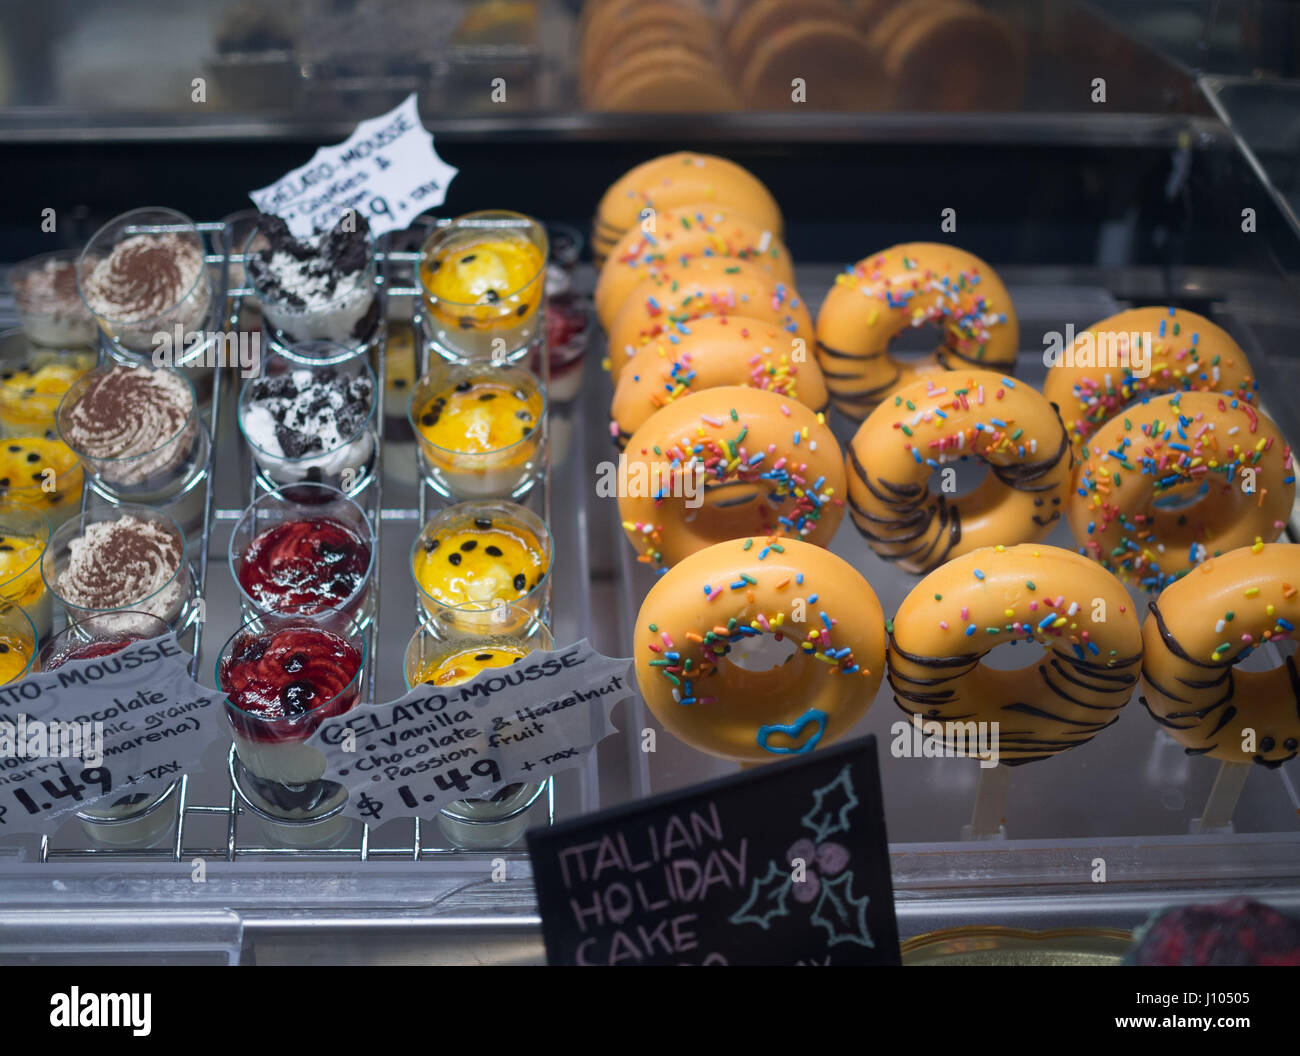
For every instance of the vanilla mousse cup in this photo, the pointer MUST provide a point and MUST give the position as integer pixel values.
(141, 817)
(480, 429)
(17, 644)
(33, 380)
(482, 281)
(450, 648)
(318, 288)
(43, 474)
(145, 273)
(282, 678)
(50, 308)
(117, 561)
(24, 538)
(311, 422)
(482, 560)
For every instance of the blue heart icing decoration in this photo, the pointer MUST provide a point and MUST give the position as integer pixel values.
(793, 731)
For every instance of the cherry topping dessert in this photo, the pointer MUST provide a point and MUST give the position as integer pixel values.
(284, 682)
(305, 567)
(89, 651)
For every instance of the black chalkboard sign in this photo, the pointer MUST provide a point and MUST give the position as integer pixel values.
(784, 864)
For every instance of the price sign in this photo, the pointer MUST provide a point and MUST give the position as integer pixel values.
(784, 864)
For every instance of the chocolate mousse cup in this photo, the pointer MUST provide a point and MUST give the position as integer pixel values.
(282, 678)
(137, 431)
(311, 422)
(305, 550)
(318, 288)
(141, 817)
(144, 274)
(117, 561)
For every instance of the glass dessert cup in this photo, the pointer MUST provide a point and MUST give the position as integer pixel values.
(24, 538)
(139, 818)
(17, 643)
(480, 430)
(570, 322)
(304, 550)
(126, 281)
(282, 677)
(136, 430)
(50, 309)
(455, 568)
(33, 381)
(450, 648)
(351, 318)
(482, 282)
(43, 474)
(97, 566)
(342, 456)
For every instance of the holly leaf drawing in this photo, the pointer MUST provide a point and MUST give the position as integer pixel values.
(831, 807)
(842, 915)
(767, 898)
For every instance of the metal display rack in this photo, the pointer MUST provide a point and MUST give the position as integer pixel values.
(228, 310)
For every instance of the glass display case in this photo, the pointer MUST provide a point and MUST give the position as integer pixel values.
(1099, 156)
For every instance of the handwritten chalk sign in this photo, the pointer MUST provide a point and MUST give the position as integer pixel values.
(387, 170)
(784, 864)
(439, 744)
(113, 726)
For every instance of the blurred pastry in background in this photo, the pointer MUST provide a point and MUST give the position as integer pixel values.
(497, 23)
(949, 55)
(820, 62)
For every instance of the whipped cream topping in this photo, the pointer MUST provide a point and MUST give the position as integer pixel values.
(143, 277)
(138, 419)
(125, 563)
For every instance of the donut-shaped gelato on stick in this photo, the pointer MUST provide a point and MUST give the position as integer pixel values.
(699, 637)
(940, 420)
(667, 301)
(679, 179)
(726, 350)
(1139, 351)
(1176, 479)
(679, 235)
(1034, 594)
(726, 463)
(1197, 633)
(910, 285)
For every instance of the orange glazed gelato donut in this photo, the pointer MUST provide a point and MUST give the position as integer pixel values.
(1200, 629)
(910, 285)
(703, 624)
(942, 419)
(725, 463)
(679, 179)
(666, 301)
(727, 350)
(1138, 351)
(1079, 613)
(1176, 479)
(695, 230)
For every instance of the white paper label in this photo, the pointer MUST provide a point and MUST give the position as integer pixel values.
(387, 170)
(94, 729)
(438, 744)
